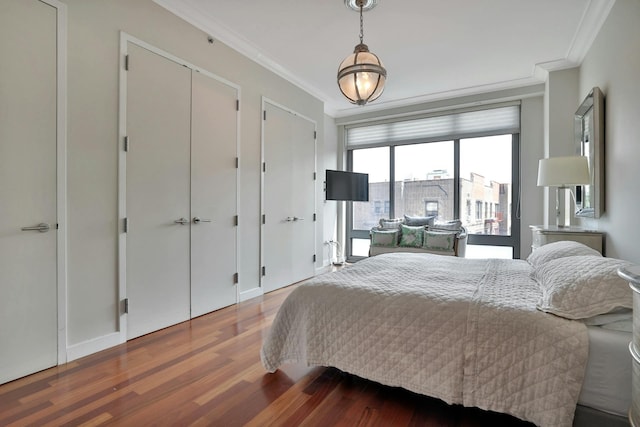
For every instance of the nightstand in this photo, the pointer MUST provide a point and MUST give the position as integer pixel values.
(547, 234)
(632, 275)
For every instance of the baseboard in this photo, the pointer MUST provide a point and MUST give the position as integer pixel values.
(91, 346)
(323, 269)
(251, 293)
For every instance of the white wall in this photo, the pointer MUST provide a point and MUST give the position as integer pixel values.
(328, 160)
(613, 64)
(93, 30)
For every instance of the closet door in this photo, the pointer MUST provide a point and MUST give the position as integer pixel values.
(213, 195)
(158, 184)
(28, 285)
(288, 233)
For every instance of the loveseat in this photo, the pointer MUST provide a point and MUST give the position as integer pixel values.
(418, 234)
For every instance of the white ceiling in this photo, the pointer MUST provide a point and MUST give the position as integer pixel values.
(432, 49)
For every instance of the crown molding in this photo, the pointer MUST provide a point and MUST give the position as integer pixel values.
(592, 20)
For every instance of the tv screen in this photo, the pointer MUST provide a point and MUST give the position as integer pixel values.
(351, 186)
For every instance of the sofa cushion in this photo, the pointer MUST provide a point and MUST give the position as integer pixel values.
(453, 225)
(439, 240)
(386, 238)
(411, 236)
(419, 220)
(391, 224)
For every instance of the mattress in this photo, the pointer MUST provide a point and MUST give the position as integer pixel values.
(607, 382)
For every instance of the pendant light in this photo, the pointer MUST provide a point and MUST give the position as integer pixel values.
(361, 76)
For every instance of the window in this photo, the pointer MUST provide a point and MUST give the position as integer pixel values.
(431, 208)
(460, 165)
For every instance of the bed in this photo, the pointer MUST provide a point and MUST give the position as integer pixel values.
(503, 335)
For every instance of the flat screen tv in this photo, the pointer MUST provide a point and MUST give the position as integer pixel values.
(351, 186)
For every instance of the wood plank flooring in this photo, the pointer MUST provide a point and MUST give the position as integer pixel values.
(207, 372)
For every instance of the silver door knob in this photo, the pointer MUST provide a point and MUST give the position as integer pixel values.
(181, 221)
(290, 218)
(197, 220)
(295, 218)
(42, 227)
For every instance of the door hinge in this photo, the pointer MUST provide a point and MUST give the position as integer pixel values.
(126, 62)
(315, 176)
(264, 270)
(264, 166)
(237, 105)
(236, 220)
(57, 226)
(315, 134)
(264, 115)
(236, 278)
(314, 217)
(125, 305)
(264, 219)
(126, 144)
(237, 162)
(314, 257)
(125, 225)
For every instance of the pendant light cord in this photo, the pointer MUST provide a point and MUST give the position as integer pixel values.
(361, 25)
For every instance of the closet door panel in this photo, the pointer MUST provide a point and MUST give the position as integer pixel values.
(288, 235)
(213, 195)
(302, 169)
(277, 232)
(158, 192)
(28, 264)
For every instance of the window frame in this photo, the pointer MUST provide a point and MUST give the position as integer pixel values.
(512, 240)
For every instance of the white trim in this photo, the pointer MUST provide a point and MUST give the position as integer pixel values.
(592, 20)
(265, 101)
(251, 293)
(93, 345)
(61, 176)
(125, 39)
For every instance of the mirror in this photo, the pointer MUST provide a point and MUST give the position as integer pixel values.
(589, 137)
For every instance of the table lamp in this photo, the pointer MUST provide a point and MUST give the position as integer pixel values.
(562, 172)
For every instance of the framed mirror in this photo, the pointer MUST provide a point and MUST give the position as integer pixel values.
(589, 137)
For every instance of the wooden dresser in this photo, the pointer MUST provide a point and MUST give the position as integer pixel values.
(542, 234)
(632, 274)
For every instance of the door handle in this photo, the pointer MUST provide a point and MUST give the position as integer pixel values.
(197, 220)
(295, 218)
(290, 218)
(42, 227)
(181, 221)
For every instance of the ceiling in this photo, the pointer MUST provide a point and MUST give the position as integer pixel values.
(432, 49)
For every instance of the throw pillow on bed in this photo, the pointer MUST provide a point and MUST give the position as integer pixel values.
(578, 287)
(453, 225)
(386, 238)
(411, 236)
(557, 250)
(438, 240)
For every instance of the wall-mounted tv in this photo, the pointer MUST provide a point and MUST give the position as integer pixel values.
(351, 186)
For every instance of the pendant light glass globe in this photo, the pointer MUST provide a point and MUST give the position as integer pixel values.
(361, 76)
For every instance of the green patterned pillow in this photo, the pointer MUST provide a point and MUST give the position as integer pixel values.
(439, 240)
(411, 236)
(387, 238)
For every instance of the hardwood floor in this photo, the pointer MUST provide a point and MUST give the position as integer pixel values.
(208, 372)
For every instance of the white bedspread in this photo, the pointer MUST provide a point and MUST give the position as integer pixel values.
(464, 331)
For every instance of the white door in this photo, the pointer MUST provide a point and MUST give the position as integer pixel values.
(28, 285)
(213, 195)
(288, 232)
(158, 192)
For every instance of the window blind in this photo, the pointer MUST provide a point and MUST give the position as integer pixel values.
(448, 126)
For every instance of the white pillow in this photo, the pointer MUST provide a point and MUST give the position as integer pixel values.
(439, 240)
(578, 287)
(560, 249)
(386, 238)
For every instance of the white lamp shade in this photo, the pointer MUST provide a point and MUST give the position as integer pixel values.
(563, 171)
